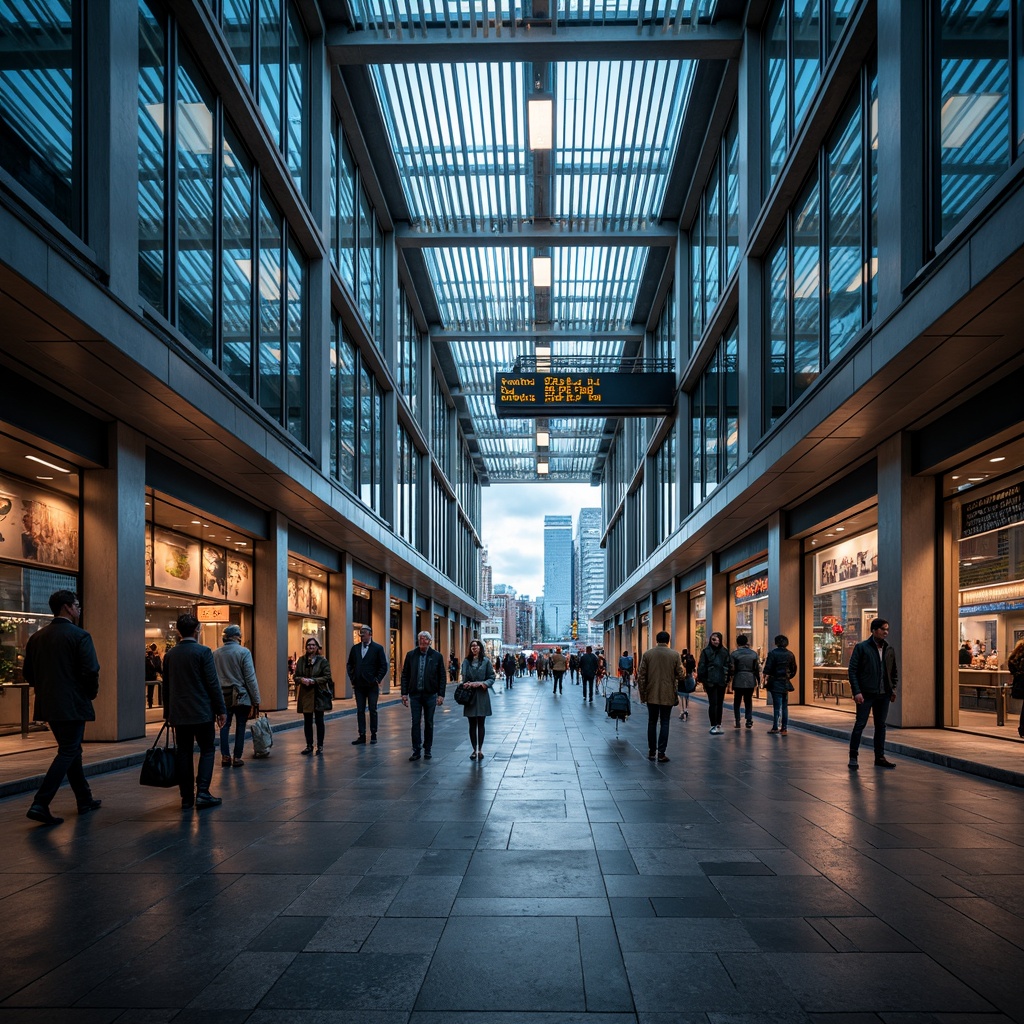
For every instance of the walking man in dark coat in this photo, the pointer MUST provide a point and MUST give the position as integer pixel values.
(367, 666)
(588, 671)
(873, 680)
(194, 705)
(60, 664)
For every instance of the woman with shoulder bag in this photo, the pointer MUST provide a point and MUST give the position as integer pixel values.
(314, 693)
(714, 671)
(478, 675)
(1015, 663)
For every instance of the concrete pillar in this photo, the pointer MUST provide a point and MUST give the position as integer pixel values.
(339, 625)
(680, 616)
(380, 616)
(785, 599)
(717, 603)
(113, 583)
(908, 594)
(270, 613)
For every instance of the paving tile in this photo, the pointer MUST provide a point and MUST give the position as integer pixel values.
(243, 982)
(683, 935)
(341, 934)
(409, 934)
(786, 934)
(527, 906)
(286, 934)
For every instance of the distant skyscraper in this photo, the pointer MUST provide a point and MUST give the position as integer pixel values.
(486, 576)
(558, 577)
(590, 572)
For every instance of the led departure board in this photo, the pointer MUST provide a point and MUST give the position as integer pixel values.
(583, 394)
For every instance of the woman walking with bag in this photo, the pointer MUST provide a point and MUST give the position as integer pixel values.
(314, 693)
(714, 671)
(779, 669)
(478, 675)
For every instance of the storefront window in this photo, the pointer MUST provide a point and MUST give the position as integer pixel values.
(749, 590)
(845, 602)
(307, 609)
(698, 622)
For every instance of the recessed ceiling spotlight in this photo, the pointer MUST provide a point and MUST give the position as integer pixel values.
(954, 478)
(840, 529)
(998, 458)
(975, 479)
(195, 522)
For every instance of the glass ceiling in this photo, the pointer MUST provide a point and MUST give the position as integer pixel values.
(482, 207)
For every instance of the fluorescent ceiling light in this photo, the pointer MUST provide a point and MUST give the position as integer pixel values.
(541, 271)
(962, 115)
(195, 128)
(543, 439)
(542, 469)
(49, 465)
(540, 112)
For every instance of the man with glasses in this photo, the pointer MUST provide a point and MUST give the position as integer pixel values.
(423, 685)
(367, 667)
(61, 665)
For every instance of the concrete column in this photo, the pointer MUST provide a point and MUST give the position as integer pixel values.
(113, 583)
(908, 594)
(785, 600)
(717, 603)
(270, 613)
(680, 616)
(340, 625)
(380, 615)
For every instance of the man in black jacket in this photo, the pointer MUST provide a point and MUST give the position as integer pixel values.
(60, 663)
(367, 666)
(194, 705)
(588, 671)
(873, 680)
(423, 685)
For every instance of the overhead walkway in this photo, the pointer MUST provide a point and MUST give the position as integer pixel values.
(564, 879)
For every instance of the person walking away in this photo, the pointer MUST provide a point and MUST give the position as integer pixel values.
(60, 664)
(194, 705)
(508, 666)
(453, 667)
(154, 666)
(520, 664)
(241, 692)
(423, 686)
(367, 667)
(689, 682)
(574, 665)
(478, 675)
(746, 677)
(713, 671)
(1015, 663)
(588, 673)
(873, 680)
(558, 666)
(314, 693)
(531, 664)
(626, 667)
(661, 672)
(778, 672)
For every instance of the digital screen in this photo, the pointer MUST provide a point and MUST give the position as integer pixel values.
(583, 394)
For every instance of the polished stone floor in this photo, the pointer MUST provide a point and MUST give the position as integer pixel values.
(564, 879)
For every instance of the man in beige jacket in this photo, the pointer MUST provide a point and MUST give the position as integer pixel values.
(661, 670)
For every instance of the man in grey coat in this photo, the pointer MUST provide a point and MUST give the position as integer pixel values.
(60, 664)
(240, 689)
(193, 703)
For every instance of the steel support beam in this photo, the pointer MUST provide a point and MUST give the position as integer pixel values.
(552, 333)
(532, 235)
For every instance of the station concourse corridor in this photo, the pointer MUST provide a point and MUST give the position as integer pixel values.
(565, 879)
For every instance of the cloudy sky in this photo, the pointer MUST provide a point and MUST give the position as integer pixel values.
(513, 527)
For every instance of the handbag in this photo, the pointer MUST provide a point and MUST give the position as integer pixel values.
(463, 694)
(262, 736)
(689, 684)
(1017, 692)
(158, 766)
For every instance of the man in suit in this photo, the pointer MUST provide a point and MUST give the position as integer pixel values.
(60, 663)
(423, 685)
(873, 680)
(194, 705)
(367, 666)
(661, 672)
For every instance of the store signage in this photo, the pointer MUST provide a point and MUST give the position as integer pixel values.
(584, 394)
(995, 512)
(751, 590)
(214, 613)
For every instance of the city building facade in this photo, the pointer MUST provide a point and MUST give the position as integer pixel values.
(558, 578)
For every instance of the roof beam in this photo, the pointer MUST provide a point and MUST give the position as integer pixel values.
(531, 235)
(553, 333)
(538, 43)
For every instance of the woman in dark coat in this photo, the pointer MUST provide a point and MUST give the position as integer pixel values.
(314, 693)
(714, 670)
(478, 674)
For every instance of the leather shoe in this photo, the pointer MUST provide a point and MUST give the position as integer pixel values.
(662, 759)
(651, 755)
(187, 803)
(358, 740)
(415, 756)
(881, 762)
(373, 738)
(41, 813)
(853, 764)
(225, 762)
(237, 762)
(427, 755)
(207, 800)
(92, 805)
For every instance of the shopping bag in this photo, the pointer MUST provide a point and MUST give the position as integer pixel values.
(262, 736)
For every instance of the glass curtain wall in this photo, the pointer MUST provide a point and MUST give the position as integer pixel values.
(42, 126)
(715, 419)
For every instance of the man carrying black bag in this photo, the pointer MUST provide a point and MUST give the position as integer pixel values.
(194, 705)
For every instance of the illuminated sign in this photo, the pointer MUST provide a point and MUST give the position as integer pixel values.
(584, 394)
(213, 613)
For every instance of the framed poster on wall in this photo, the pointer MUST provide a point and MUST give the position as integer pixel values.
(175, 562)
(851, 563)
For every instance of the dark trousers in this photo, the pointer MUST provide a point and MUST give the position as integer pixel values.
(422, 705)
(307, 727)
(588, 688)
(152, 689)
(366, 697)
(67, 762)
(876, 705)
(716, 700)
(746, 698)
(476, 731)
(557, 686)
(509, 676)
(191, 781)
(239, 714)
(658, 715)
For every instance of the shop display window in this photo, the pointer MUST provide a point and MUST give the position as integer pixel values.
(750, 609)
(845, 602)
